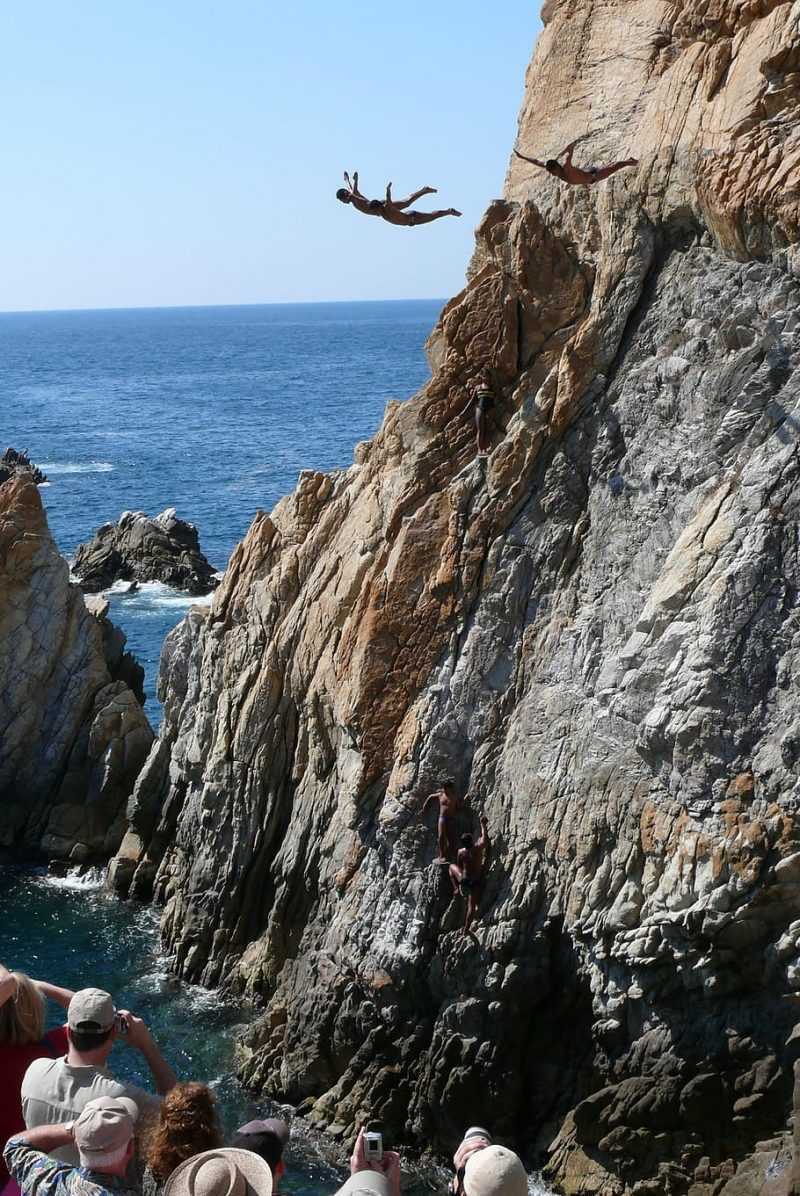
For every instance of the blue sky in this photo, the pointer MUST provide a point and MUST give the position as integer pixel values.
(188, 152)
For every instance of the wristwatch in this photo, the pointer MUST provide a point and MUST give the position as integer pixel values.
(69, 1126)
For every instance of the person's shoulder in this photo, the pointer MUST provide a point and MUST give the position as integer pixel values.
(83, 1182)
(144, 1099)
(107, 1085)
(40, 1068)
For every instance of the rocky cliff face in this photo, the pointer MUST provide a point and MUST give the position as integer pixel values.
(73, 737)
(597, 634)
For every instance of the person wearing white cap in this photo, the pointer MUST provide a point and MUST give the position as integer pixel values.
(103, 1138)
(56, 1090)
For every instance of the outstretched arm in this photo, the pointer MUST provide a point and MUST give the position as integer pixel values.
(483, 841)
(568, 149)
(61, 996)
(535, 161)
(353, 184)
(432, 797)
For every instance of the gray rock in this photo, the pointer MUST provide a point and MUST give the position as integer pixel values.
(72, 737)
(137, 549)
(17, 464)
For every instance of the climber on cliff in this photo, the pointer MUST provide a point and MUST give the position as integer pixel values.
(573, 175)
(391, 210)
(449, 805)
(484, 404)
(466, 875)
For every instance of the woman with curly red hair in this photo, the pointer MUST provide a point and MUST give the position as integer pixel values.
(187, 1126)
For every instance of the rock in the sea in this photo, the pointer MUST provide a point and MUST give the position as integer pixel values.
(73, 736)
(597, 633)
(138, 548)
(14, 464)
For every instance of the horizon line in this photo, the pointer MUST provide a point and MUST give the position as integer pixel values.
(56, 311)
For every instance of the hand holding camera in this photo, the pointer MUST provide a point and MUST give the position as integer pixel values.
(476, 1138)
(132, 1029)
(369, 1155)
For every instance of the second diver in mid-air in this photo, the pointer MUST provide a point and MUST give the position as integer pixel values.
(391, 210)
(574, 175)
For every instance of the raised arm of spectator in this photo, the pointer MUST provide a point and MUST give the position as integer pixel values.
(61, 996)
(139, 1036)
(8, 988)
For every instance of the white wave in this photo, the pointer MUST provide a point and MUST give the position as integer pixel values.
(536, 1187)
(75, 880)
(156, 982)
(59, 467)
(149, 594)
(44, 485)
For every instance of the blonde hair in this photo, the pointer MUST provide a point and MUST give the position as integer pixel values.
(22, 1017)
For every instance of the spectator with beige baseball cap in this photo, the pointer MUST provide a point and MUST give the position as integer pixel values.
(56, 1090)
(102, 1136)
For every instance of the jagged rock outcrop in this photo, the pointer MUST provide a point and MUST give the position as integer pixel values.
(598, 635)
(122, 666)
(14, 464)
(72, 738)
(138, 548)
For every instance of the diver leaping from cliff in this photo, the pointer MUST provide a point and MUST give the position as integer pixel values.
(391, 210)
(574, 176)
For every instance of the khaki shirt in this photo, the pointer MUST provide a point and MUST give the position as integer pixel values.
(54, 1091)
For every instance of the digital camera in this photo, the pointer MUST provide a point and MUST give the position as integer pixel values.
(373, 1146)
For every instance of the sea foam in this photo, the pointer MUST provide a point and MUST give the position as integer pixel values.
(89, 881)
(58, 467)
(153, 594)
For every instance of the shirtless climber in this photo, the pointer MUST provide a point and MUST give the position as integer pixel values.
(449, 805)
(466, 875)
(391, 210)
(484, 403)
(573, 175)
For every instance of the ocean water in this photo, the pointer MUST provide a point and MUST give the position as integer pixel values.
(211, 410)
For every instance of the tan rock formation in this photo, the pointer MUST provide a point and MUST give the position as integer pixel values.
(72, 740)
(599, 637)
